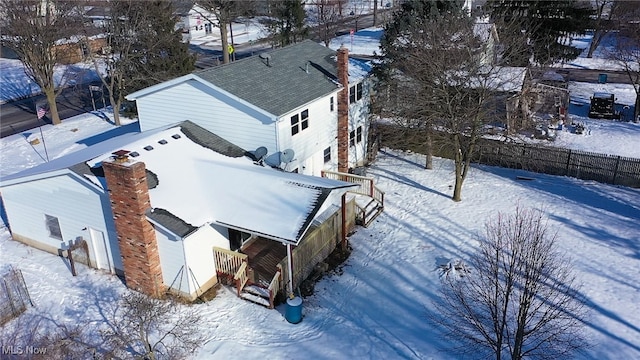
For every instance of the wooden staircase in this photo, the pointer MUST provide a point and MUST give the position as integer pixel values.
(233, 269)
(371, 201)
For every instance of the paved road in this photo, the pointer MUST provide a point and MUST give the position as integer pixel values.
(20, 115)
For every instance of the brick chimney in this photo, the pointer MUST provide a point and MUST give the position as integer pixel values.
(343, 110)
(129, 196)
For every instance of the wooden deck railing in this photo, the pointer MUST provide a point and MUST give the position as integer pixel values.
(274, 287)
(228, 262)
(367, 187)
(241, 277)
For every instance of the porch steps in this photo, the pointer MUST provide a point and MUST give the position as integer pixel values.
(369, 212)
(256, 294)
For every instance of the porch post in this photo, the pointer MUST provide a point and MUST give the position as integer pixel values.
(290, 264)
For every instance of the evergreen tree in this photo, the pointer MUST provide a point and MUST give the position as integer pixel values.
(286, 23)
(159, 53)
(549, 26)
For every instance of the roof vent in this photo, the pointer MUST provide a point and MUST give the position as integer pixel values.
(162, 142)
(176, 136)
(134, 154)
(266, 58)
(148, 147)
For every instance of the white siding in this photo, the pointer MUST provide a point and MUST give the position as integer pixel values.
(172, 262)
(199, 254)
(77, 205)
(223, 115)
(320, 134)
(359, 116)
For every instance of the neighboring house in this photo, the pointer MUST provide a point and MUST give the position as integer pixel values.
(167, 208)
(488, 35)
(196, 21)
(286, 100)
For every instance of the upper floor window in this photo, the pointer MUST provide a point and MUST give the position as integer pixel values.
(53, 225)
(355, 93)
(304, 123)
(299, 122)
(327, 154)
(331, 105)
(295, 124)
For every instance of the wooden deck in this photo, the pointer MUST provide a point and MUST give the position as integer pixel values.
(264, 255)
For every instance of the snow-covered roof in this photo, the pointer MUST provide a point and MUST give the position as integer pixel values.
(195, 185)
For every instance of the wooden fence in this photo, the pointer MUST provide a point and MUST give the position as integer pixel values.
(14, 296)
(316, 246)
(583, 165)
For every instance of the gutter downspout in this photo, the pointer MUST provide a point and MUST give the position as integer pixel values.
(290, 265)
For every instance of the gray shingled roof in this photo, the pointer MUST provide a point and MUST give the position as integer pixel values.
(283, 84)
(171, 222)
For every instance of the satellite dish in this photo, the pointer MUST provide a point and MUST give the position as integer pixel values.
(273, 160)
(287, 155)
(260, 153)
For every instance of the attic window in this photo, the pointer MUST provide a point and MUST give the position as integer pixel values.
(148, 147)
(176, 136)
(134, 154)
(162, 142)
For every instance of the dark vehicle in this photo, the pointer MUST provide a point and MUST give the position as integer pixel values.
(603, 106)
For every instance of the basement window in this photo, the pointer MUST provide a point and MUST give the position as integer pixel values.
(53, 226)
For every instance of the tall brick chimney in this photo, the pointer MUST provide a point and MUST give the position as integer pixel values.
(129, 195)
(343, 110)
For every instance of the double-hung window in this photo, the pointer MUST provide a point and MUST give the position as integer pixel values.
(295, 124)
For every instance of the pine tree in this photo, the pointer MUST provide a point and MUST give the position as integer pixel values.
(287, 22)
(548, 24)
(160, 54)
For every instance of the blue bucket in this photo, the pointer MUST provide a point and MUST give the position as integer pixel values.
(293, 313)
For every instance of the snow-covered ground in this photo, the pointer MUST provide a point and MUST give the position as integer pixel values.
(376, 306)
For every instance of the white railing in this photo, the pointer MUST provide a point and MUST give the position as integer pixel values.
(228, 262)
(366, 183)
(241, 277)
(273, 288)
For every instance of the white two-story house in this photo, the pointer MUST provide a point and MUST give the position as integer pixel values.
(284, 101)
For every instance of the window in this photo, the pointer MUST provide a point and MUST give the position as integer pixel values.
(305, 119)
(53, 226)
(331, 104)
(352, 138)
(359, 134)
(355, 93)
(295, 120)
(327, 154)
(237, 239)
(299, 122)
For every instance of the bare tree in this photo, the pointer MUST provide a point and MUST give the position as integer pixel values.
(225, 12)
(517, 299)
(36, 30)
(328, 18)
(439, 78)
(153, 328)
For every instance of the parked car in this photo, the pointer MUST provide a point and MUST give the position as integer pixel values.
(603, 106)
